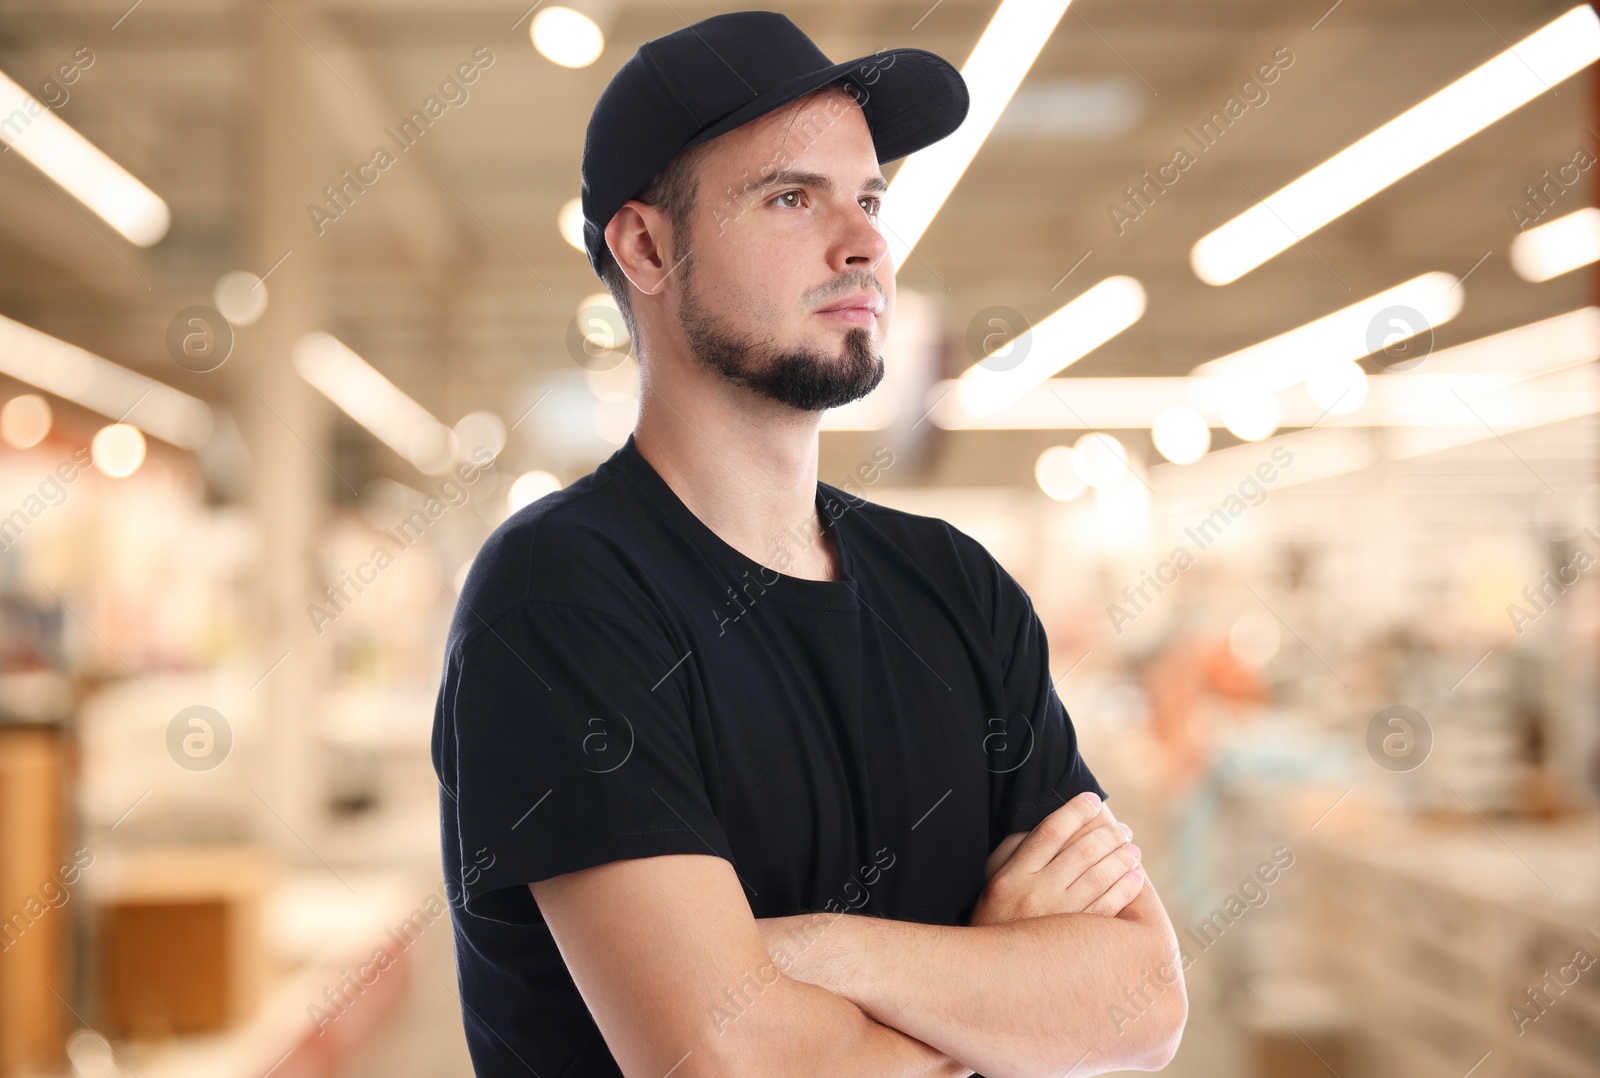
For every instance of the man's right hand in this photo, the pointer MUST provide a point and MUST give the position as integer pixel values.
(1079, 859)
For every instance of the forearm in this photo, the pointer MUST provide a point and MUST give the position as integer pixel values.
(797, 1028)
(1022, 998)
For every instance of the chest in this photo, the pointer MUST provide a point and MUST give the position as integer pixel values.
(849, 753)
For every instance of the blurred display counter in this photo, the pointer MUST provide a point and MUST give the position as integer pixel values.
(333, 967)
(1468, 945)
(180, 939)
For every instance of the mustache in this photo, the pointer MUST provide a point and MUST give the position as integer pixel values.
(850, 287)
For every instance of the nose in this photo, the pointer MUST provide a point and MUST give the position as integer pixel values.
(860, 244)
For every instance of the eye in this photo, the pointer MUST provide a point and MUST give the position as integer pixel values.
(786, 194)
(877, 205)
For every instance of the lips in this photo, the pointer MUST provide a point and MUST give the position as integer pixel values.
(862, 301)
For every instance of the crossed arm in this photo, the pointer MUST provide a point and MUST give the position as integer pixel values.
(1067, 966)
(1059, 994)
(680, 977)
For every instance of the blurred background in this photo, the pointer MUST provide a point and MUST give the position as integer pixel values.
(1254, 337)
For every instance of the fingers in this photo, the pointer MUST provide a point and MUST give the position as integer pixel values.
(1055, 831)
(1101, 876)
(1008, 846)
(1116, 879)
(1090, 864)
(1123, 891)
(1104, 818)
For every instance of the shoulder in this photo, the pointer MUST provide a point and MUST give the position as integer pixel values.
(568, 547)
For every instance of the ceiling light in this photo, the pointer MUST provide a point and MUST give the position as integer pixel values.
(1072, 332)
(481, 435)
(1056, 476)
(1251, 414)
(1558, 247)
(1181, 435)
(1395, 398)
(605, 340)
(117, 450)
(1100, 460)
(569, 222)
(997, 65)
(1339, 386)
(241, 297)
(567, 37)
(376, 403)
(95, 383)
(80, 167)
(1516, 76)
(1417, 306)
(529, 487)
(25, 421)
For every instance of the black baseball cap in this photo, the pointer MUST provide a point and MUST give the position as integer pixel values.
(704, 80)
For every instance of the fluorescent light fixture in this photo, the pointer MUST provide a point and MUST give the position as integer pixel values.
(1395, 399)
(1340, 387)
(1072, 332)
(95, 383)
(1364, 327)
(1138, 403)
(369, 398)
(1549, 344)
(80, 167)
(994, 70)
(1323, 453)
(1531, 402)
(1486, 369)
(1558, 247)
(1460, 110)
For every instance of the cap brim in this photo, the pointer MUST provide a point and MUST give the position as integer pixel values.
(911, 98)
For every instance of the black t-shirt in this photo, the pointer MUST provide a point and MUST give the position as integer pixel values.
(619, 682)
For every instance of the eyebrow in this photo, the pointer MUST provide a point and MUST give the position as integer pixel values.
(801, 178)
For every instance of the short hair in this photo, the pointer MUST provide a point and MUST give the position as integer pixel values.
(673, 190)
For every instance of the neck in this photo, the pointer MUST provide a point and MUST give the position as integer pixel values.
(746, 468)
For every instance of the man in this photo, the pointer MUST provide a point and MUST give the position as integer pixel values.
(743, 774)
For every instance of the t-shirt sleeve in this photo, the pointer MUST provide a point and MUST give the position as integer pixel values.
(567, 741)
(1032, 751)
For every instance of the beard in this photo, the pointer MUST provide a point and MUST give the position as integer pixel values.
(807, 379)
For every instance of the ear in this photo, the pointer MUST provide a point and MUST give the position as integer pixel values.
(637, 235)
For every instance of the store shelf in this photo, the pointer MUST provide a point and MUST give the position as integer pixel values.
(1432, 932)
